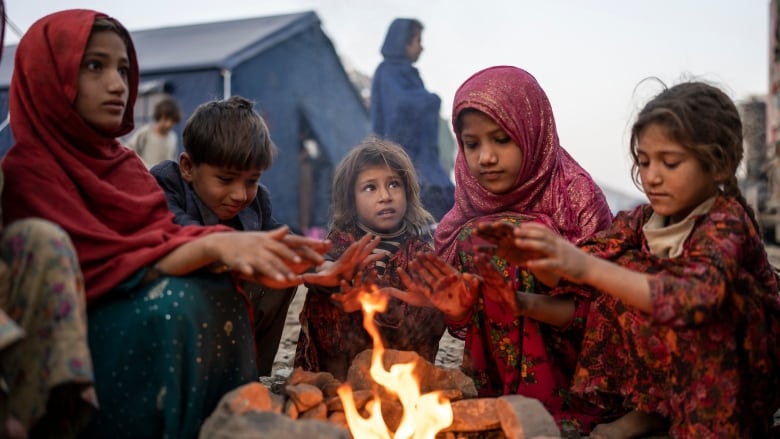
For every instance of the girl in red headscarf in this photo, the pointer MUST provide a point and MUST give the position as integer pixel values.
(168, 337)
(510, 168)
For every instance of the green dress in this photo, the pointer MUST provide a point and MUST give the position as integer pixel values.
(165, 353)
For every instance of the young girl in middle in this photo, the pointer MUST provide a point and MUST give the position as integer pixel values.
(511, 168)
(375, 191)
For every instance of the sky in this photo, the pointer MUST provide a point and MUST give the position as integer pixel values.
(590, 57)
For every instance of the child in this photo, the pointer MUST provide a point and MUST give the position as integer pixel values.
(511, 168)
(375, 191)
(157, 142)
(227, 147)
(687, 330)
(167, 337)
(403, 111)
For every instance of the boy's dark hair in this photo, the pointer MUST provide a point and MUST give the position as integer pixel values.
(167, 108)
(374, 151)
(228, 133)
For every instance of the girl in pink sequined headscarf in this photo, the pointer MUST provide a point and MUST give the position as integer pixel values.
(551, 186)
(511, 169)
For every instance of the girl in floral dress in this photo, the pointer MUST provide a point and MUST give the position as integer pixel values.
(686, 332)
(375, 196)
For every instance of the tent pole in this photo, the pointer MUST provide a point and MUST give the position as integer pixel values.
(226, 76)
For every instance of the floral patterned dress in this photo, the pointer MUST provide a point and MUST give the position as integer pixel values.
(509, 355)
(707, 355)
(329, 336)
(47, 359)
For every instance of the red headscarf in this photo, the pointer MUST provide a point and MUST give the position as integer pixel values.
(63, 170)
(551, 187)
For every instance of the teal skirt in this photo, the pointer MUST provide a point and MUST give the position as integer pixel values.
(165, 353)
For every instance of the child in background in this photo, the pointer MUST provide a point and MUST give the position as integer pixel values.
(168, 338)
(157, 141)
(511, 168)
(375, 192)
(227, 147)
(687, 329)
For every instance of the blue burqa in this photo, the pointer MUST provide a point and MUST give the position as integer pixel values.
(403, 111)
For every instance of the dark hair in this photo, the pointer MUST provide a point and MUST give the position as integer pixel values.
(108, 24)
(167, 108)
(705, 121)
(374, 151)
(415, 28)
(462, 114)
(228, 133)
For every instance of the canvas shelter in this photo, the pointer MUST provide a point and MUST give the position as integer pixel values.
(285, 63)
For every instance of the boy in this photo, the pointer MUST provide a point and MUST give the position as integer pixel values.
(227, 146)
(157, 142)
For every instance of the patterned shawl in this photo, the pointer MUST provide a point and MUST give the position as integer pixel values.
(551, 187)
(63, 170)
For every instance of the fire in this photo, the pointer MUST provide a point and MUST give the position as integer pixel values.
(424, 415)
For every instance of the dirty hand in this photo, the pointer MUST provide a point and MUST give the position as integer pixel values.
(501, 235)
(549, 252)
(357, 256)
(430, 281)
(497, 288)
(348, 300)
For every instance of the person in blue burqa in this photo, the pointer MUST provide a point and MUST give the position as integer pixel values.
(403, 111)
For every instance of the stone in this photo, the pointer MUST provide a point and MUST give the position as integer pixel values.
(474, 415)
(525, 418)
(304, 395)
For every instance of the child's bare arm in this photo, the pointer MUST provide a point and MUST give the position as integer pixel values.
(557, 255)
(556, 311)
(551, 310)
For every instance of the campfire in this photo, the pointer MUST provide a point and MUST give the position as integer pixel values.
(388, 394)
(423, 415)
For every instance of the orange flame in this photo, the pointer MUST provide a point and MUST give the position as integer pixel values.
(424, 415)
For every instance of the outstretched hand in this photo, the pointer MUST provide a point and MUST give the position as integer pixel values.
(348, 300)
(497, 288)
(501, 235)
(310, 250)
(550, 252)
(357, 256)
(261, 255)
(431, 281)
(279, 257)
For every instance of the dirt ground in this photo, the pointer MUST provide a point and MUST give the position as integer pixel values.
(450, 348)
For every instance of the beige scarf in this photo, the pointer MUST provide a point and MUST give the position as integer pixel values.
(667, 241)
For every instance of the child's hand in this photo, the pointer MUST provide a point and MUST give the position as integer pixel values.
(254, 255)
(348, 300)
(357, 256)
(310, 250)
(431, 281)
(501, 235)
(550, 253)
(497, 288)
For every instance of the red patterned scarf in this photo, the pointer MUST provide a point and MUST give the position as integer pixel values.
(63, 170)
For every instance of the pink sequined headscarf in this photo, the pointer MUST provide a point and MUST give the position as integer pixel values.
(551, 188)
